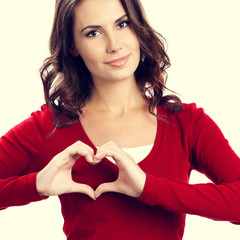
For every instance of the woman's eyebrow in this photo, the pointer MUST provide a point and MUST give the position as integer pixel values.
(121, 18)
(98, 26)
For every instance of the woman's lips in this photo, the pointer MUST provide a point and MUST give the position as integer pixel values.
(118, 62)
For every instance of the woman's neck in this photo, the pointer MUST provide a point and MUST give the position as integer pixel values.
(116, 97)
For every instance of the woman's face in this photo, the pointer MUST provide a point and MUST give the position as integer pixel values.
(105, 41)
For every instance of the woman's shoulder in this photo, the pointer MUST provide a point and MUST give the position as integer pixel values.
(190, 115)
(44, 113)
(191, 118)
(42, 116)
(40, 122)
(191, 110)
(188, 109)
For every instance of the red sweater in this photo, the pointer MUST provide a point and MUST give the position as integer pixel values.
(189, 140)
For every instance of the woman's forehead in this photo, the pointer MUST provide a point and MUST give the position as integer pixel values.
(98, 12)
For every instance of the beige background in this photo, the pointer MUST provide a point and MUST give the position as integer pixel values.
(204, 47)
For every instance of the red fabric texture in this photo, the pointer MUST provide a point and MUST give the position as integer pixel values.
(185, 141)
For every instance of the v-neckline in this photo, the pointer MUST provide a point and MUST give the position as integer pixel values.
(154, 149)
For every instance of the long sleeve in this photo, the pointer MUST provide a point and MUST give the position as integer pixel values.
(19, 161)
(209, 153)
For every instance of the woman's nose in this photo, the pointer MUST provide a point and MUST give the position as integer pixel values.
(113, 43)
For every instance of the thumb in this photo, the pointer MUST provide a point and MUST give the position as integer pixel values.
(105, 187)
(83, 188)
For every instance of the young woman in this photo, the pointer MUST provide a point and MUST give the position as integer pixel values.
(115, 149)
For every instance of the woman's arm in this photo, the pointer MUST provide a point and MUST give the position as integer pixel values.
(211, 155)
(24, 176)
(19, 164)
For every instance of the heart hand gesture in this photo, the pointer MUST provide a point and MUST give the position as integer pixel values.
(131, 178)
(56, 177)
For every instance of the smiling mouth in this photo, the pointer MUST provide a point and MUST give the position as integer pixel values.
(118, 62)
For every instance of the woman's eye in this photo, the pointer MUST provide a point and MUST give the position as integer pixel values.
(123, 24)
(92, 34)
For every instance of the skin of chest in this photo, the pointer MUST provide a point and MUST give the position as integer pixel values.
(132, 129)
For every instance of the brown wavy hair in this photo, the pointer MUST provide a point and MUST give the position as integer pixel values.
(67, 81)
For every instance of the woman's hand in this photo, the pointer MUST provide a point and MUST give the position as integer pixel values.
(131, 178)
(56, 177)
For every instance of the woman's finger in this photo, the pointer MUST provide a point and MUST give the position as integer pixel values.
(105, 187)
(81, 149)
(56, 179)
(110, 150)
(67, 157)
(82, 188)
